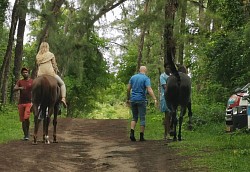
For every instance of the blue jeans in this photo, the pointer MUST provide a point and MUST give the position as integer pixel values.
(139, 110)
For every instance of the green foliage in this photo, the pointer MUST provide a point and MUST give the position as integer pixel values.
(29, 55)
(127, 65)
(3, 43)
(107, 111)
(3, 6)
(223, 66)
(233, 13)
(115, 93)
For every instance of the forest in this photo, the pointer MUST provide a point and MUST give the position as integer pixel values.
(99, 44)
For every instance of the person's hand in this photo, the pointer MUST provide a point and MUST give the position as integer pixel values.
(31, 108)
(22, 88)
(128, 103)
(156, 103)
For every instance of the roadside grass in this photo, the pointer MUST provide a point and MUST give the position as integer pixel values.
(10, 126)
(106, 111)
(207, 146)
(211, 147)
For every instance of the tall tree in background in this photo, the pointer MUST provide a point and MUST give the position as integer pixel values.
(169, 41)
(5, 68)
(22, 10)
(142, 37)
(183, 8)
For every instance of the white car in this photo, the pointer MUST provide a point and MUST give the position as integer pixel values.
(238, 109)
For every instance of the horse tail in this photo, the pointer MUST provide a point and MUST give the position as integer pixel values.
(175, 72)
(173, 67)
(48, 98)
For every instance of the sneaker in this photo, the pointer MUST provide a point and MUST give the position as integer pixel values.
(25, 138)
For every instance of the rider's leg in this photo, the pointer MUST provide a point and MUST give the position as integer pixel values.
(63, 89)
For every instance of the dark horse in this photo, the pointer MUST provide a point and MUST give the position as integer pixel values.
(45, 99)
(178, 91)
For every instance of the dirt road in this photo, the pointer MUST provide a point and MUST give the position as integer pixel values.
(90, 145)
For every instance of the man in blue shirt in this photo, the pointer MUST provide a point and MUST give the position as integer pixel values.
(139, 84)
(163, 81)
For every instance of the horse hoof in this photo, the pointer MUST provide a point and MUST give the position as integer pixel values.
(34, 143)
(190, 127)
(171, 133)
(55, 141)
(174, 139)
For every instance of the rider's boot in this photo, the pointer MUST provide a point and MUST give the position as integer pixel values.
(64, 102)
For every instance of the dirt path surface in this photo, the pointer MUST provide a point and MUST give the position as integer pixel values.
(90, 145)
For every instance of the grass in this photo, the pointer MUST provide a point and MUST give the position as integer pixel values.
(10, 126)
(215, 149)
(208, 146)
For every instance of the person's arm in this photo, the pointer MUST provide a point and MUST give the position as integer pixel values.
(17, 87)
(54, 64)
(164, 86)
(128, 92)
(151, 93)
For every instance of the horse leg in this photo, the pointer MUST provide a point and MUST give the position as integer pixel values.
(55, 125)
(190, 114)
(36, 123)
(166, 123)
(35, 129)
(171, 132)
(46, 130)
(54, 131)
(174, 121)
(182, 113)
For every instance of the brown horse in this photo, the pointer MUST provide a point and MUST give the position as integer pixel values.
(45, 99)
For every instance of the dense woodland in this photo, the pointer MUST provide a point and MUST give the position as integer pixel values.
(99, 44)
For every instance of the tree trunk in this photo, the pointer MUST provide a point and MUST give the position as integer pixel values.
(141, 43)
(169, 42)
(182, 31)
(5, 68)
(202, 21)
(19, 47)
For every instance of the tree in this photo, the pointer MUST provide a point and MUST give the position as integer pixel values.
(169, 42)
(5, 68)
(22, 10)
